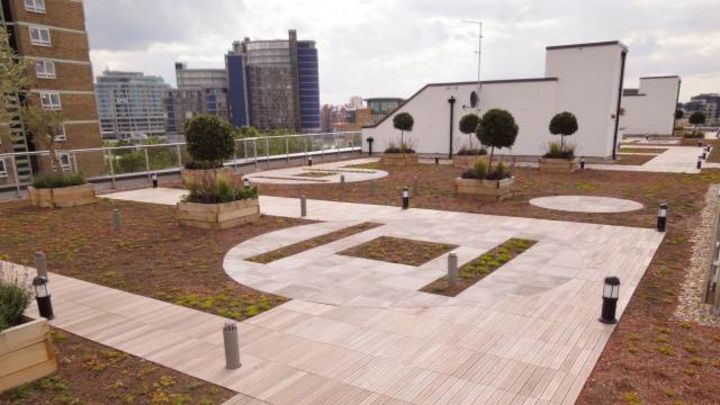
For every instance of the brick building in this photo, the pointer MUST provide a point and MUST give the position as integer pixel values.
(51, 35)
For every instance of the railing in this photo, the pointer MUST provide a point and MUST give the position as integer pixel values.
(113, 163)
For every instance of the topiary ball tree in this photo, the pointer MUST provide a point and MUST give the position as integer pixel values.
(497, 129)
(563, 124)
(209, 140)
(697, 118)
(404, 122)
(468, 126)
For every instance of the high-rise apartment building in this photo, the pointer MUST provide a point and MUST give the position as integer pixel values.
(131, 104)
(707, 103)
(51, 34)
(199, 91)
(274, 84)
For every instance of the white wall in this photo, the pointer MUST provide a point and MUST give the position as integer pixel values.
(587, 85)
(652, 113)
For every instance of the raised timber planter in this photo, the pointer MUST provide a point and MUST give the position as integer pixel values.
(399, 159)
(26, 354)
(226, 174)
(468, 161)
(490, 190)
(559, 165)
(62, 197)
(218, 216)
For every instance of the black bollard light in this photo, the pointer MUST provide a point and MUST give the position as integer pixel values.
(309, 160)
(437, 159)
(662, 217)
(154, 180)
(700, 143)
(582, 162)
(246, 182)
(370, 141)
(405, 198)
(611, 292)
(42, 296)
(699, 162)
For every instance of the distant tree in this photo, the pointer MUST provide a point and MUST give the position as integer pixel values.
(44, 125)
(246, 131)
(679, 114)
(209, 140)
(563, 124)
(697, 118)
(404, 122)
(497, 129)
(468, 126)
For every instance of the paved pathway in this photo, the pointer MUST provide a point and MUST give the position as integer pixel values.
(333, 172)
(358, 331)
(590, 204)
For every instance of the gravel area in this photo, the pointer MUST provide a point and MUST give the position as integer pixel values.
(691, 306)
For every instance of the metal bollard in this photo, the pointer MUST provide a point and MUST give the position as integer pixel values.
(232, 347)
(452, 269)
(154, 180)
(662, 218)
(117, 222)
(437, 159)
(582, 163)
(303, 206)
(699, 162)
(405, 198)
(41, 264)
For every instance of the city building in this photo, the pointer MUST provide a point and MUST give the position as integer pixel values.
(650, 108)
(51, 34)
(131, 105)
(274, 84)
(708, 103)
(585, 79)
(199, 91)
(382, 106)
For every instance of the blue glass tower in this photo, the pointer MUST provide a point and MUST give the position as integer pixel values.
(308, 86)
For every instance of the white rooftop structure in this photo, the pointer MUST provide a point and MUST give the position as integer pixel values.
(650, 109)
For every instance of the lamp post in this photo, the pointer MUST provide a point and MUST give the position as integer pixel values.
(611, 292)
(662, 217)
(42, 296)
(370, 141)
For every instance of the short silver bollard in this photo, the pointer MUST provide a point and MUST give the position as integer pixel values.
(41, 264)
(452, 269)
(232, 347)
(303, 206)
(117, 222)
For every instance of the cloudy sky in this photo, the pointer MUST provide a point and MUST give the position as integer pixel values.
(393, 47)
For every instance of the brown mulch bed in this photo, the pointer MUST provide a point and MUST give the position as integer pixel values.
(398, 250)
(633, 160)
(714, 156)
(632, 364)
(479, 268)
(312, 243)
(151, 255)
(655, 151)
(90, 373)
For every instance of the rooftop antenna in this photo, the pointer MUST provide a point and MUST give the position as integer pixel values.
(479, 48)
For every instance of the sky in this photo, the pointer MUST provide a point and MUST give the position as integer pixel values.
(391, 48)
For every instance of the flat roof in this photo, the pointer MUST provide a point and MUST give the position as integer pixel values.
(662, 77)
(588, 44)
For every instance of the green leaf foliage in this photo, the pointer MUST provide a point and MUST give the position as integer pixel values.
(697, 118)
(563, 124)
(403, 121)
(209, 139)
(469, 123)
(497, 129)
(58, 181)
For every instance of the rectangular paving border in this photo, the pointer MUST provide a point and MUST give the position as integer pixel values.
(295, 248)
(480, 267)
(399, 250)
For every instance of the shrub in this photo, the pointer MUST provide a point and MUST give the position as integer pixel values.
(404, 148)
(694, 135)
(472, 152)
(558, 151)
(481, 172)
(563, 124)
(209, 140)
(14, 299)
(497, 129)
(697, 118)
(404, 122)
(58, 180)
(218, 192)
(499, 172)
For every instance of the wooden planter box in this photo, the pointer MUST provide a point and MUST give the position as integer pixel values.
(491, 190)
(62, 197)
(26, 354)
(468, 161)
(226, 174)
(218, 216)
(399, 159)
(559, 165)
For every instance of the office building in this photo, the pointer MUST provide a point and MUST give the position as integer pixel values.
(707, 103)
(51, 34)
(274, 84)
(382, 106)
(199, 91)
(131, 105)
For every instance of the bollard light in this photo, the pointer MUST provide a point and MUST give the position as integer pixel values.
(42, 296)
(707, 149)
(370, 142)
(405, 198)
(246, 182)
(437, 159)
(154, 178)
(452, 269)
(41, 264)
(699, 162)
(700, 143)
(303, 206)
(611, 293)
(662, 217)
(309, 160)
(582, 162)
(232, 346)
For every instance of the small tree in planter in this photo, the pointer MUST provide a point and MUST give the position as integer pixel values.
(209, 142)
(497, 129)
(217, 204)
(404, 122)
(560, 157)
(468, 125)
(468, 155)
(563, 124)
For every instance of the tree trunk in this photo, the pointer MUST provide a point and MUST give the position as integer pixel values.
(402, 141)
(492, 152)
(562, 143)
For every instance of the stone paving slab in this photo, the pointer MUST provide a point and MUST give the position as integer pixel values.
(590, 204)
(358, 331)
(335, 170)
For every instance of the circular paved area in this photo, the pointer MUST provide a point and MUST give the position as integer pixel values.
(326, 173)
(588, 204)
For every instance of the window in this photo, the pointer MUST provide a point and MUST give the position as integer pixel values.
(65, 162)
(45, 69)
(35, 6)
(60, 134)
(40, 36)
(50, 100)
(3, 169)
